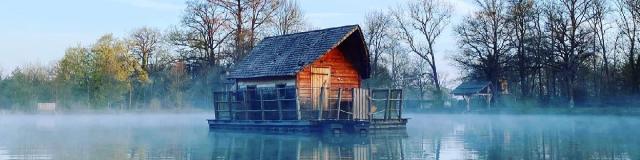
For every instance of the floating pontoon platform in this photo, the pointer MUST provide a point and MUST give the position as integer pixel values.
(341, 110)
(321, 126)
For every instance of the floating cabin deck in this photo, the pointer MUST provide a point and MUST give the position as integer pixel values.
(279, 109)
(308, 81)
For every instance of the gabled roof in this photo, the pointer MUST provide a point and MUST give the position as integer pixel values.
(471, 87)
(286, 55)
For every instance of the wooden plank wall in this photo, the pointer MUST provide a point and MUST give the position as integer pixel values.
(343, 74)
(360, 103)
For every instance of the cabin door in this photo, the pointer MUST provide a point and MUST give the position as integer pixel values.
(320, 78)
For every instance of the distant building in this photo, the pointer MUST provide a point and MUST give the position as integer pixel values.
(46, 107)
(474, 88)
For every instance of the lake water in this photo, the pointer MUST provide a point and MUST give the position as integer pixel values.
(186, 136)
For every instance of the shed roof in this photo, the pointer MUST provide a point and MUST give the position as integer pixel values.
(471, 87)
(286, 55)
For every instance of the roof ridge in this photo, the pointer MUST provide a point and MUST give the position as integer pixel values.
(318, 30)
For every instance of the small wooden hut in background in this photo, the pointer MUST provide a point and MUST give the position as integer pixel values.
(46, 107)
(475, 88)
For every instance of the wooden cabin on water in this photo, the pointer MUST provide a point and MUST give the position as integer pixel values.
(307, 81)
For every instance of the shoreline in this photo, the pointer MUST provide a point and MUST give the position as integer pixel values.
(107, 112)
(604, 111)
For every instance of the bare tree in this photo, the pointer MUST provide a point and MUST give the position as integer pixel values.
(377, 33)
(144, 44)
(569, 27)
(600, 27)
(629, 26)
(522, 20)
(485, 41)
(289, 18)
(247, 19)
(205, 31)
(532, 47)
(397, 62)
(420, 26)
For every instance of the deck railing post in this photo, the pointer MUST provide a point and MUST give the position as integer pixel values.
(467, 99)
(320, 103)
(369, 101)
(387, 112)
(339, 100)
(261, 103)
(215, 106)
(298, 104)
(245, 104)
(279, 103)
(400, 100)
(229, 108)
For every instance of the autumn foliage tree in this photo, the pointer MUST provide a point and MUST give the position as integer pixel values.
(103, 74)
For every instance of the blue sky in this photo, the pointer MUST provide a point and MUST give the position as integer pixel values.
(38, 31)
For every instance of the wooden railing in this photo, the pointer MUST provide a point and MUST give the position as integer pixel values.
(289, 103)
(387, 103)
(257, 104)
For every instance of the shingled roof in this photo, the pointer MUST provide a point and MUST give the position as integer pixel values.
(286, 55)
(471, 87)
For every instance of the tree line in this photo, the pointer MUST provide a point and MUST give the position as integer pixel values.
(569, 52)
(550, 52)
(152, 69)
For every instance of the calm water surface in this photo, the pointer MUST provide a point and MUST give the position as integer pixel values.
(186, 136)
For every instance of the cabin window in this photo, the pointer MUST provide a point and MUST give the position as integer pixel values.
(287, 101)
(269, 100)
(286, 92)
(280, 88)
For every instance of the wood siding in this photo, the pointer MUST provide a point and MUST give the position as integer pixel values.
(343, 75)
(360, 105)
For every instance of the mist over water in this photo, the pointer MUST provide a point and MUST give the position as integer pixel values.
(428, 136)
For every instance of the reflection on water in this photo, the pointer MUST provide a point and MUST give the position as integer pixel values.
(427, 137)
(260, 146)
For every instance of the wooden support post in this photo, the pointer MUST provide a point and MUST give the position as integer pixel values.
(261, 103)
(369, 101)
(231, 114)
(339, 99)
(321, 103)
(245, 105)
(279, 103)
(467, 99)
(387, 111)
(489, 101)
(400, 99)
(215, 106)
(490, 93)
(299, 114)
